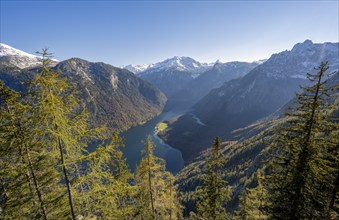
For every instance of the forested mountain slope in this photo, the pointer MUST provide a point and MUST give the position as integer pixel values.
(241, 102)
(114, 96)
(248, 152)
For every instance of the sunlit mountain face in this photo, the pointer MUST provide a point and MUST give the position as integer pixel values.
(242, 101)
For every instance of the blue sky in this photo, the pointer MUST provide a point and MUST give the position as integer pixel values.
(137, 32)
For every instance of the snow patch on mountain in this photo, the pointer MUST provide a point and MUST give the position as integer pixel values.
(182, 64)
(137, 68)
(301, 59)
(177, 63)
(20, 58)
(6, 50)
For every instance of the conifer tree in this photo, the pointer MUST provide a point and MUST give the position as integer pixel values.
(108, 193)
(156, 193)
(333, 156)
(14, 172)
(63, 125)
(253, 201)
(43, 153)
(26, 173)
(302, 173)
(214, 191)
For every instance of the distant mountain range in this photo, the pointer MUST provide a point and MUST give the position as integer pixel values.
(171, 75)
(114, 96)
(137, 68)
(184, 64)
(222, 96)
(242, 101)
(213, 78)
(185, 80)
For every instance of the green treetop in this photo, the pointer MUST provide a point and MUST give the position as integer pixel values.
(157, 195)
(304, 169)
(214, 191)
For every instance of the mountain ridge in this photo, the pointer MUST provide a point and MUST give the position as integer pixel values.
(244, 155)
(208, 80)
(113, 96)
(180, 63)
(20, 58)
(242, 101)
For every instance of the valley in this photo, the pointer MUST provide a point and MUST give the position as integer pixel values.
(136, 136)
(242, 101)
(114, 97)
(182, 105)
(213, 100)
(169, 110)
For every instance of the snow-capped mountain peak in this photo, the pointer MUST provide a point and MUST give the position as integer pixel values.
(177, 63)
(301, 46)
(6, 50)
(301, 59)
(171, 74)
(137, 68)
(181, 64)
(19, 58)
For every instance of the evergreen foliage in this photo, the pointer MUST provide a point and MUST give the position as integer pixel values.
(27, 174)
(62, 124)
(105, 190)
(156, 193)
(305, 156)
(47, 173)
(214, 192)
(254, 200)
(255, 149)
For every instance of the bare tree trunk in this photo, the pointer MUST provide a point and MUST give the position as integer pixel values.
(30, 164)
(27, 174)
(36, 185)
(64, 169)
(150, 182)
(302, 164)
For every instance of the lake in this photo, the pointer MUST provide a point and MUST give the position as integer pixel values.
(135, 137)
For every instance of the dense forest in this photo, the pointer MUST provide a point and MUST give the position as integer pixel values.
(47, 171)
